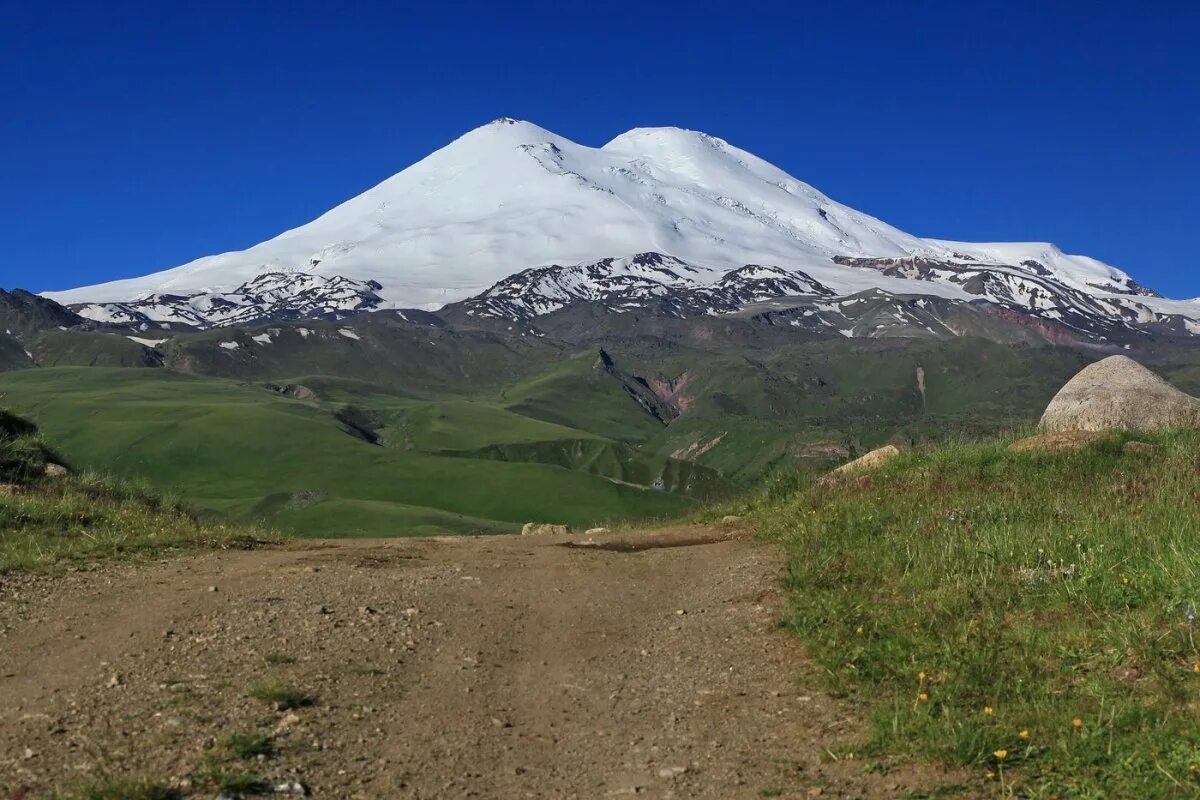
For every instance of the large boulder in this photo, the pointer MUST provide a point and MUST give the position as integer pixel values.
(1118, 393)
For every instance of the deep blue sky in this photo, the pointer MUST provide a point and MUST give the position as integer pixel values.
(137, 136)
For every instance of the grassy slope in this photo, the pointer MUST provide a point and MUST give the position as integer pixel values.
(854, 392)
(240, 448)
(575, 394)
(79, 520)
(46, 523)
(1026, 614)
(55, 348)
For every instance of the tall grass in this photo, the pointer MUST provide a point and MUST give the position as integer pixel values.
(1029, 615)
(76, 521)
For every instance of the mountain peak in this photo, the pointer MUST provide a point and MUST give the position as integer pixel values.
(510, 129)
(640, 139)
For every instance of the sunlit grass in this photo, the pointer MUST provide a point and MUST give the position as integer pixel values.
(1031, 616)
(50, 523)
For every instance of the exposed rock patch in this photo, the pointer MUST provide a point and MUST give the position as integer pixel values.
(1139, 449)
(872, 460)
(543, 529)
(1056, 441)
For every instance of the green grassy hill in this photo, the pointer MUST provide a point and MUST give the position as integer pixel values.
(391, 428)
(1032, 616)
(772, 406)
(251, 452)
(48, 522)
(55, 348)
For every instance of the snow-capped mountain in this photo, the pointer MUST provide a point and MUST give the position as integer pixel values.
(477, 218)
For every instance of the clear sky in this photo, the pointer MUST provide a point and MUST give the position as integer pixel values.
(135, 136)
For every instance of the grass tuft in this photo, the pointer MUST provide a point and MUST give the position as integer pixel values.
(233, 783)
(119, 789)
(247, 745)
(281, 696)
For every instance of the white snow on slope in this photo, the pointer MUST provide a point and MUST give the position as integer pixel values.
(151, 343)
(510, 195)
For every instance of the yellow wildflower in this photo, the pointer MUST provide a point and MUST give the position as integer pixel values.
(1024, 734)
(987, 710)
(920, 676)
(1077, 722)
(1001, 754)
(922, 697)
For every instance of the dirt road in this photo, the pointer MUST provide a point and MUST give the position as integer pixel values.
(501, 667)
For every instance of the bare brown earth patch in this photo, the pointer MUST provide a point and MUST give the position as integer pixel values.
(1057, 441)
(501, 667)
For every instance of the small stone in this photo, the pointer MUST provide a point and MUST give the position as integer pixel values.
(730, 519)
(670, 773)
(28, 754)
(596, 531)
(544, 529)
(291, 786)
(287, 722)
(679, 612)
(212, 588)
(116, 680)
(55, 471)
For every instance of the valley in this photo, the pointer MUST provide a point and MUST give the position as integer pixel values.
(381, 426)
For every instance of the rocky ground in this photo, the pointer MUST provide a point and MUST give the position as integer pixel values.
(644, 664)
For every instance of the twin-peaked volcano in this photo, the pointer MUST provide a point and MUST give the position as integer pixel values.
(510, 196)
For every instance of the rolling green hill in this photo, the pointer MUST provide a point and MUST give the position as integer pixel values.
(385, 425)
(249, 451)
(51, 519)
